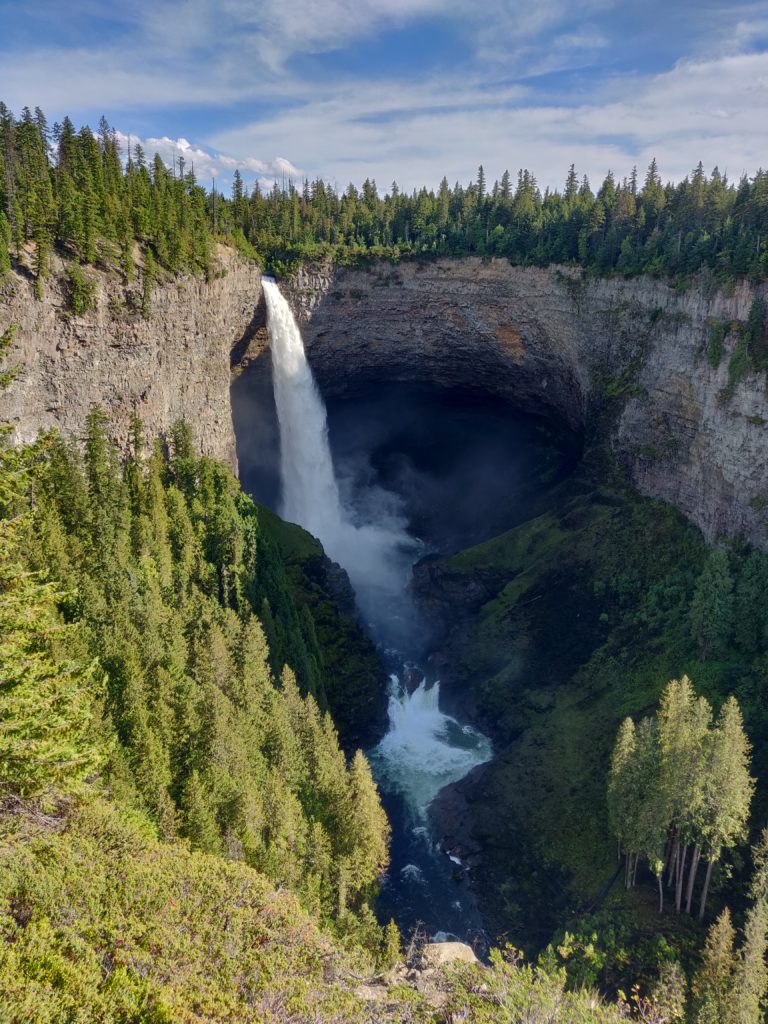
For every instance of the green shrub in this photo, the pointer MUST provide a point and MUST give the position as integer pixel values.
(81, 290)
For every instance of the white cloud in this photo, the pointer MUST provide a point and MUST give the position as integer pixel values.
(208, 165)
(201, 53)
(709, 110)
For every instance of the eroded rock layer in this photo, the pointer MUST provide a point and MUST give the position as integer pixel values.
(629, 361)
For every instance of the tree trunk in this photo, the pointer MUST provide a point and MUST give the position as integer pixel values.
(705, 890)
(661, 894)
(680, 877)
(673, 861)
(692, 878)
(634, 871)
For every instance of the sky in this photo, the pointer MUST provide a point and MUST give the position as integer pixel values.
(403, 90)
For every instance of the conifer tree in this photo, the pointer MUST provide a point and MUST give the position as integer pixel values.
(48, 736)
(747, 1000)
(5, 244)
(712, 606)
(712, 983)
(728, 789)
(199, 821)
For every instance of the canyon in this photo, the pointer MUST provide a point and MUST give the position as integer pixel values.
(622, 361)
(622, 370)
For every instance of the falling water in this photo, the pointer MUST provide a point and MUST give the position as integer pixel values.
(310, 492)
(424, 749)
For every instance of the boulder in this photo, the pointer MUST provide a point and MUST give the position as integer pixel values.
(435, 954)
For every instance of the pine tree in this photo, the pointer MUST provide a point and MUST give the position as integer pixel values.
(199, 820)
(712, 606)
(365, 827)
(747, 1000)
(391, 947)
(712, 983)
(728, 789)
(48, 737)
(5, 244)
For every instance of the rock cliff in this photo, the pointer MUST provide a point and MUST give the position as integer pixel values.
(174, 363)
(629, 359)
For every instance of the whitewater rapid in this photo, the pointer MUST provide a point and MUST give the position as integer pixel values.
(424, 749)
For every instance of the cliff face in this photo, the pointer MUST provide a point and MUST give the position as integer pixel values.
(172, 364)
(626, 358)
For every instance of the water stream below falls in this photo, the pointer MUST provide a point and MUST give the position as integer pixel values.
(424, 749)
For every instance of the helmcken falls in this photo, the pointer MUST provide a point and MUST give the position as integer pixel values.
(424, 749)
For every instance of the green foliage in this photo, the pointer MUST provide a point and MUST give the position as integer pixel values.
(712, 608)
(711, 987)
(678, 781)
(177, 588)
(718, 329)
(391, 946)
(757, 333)
(99, 921)
(47, 741)
(69, 188)
(702, 222)
(5, 244)
(81, 290)
(740, 364)
(515, 991)
(8, 373)
(46, 698)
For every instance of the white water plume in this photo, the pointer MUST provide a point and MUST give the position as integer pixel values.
(310, 492)
(425, 749)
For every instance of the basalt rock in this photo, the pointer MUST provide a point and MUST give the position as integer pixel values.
(172, 364)
(626, 360)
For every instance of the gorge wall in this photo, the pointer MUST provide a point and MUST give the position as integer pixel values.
(174, 363)
(627, 359)
(623, 359)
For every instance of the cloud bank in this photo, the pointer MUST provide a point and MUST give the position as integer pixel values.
(407, 90)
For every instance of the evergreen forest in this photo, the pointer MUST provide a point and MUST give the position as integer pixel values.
(76, 189)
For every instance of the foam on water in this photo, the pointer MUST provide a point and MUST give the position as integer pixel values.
(424, 749)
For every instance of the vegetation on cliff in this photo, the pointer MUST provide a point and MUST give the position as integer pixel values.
(587, 611)
(628, 227)
(680, 784)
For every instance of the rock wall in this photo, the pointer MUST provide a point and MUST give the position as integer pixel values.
(623, 358)
(174, 363)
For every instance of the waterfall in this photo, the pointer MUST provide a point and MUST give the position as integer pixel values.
(424, 749)
(310, 492)
(375, 550)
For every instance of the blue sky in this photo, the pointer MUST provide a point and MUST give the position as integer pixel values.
(405, 90)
